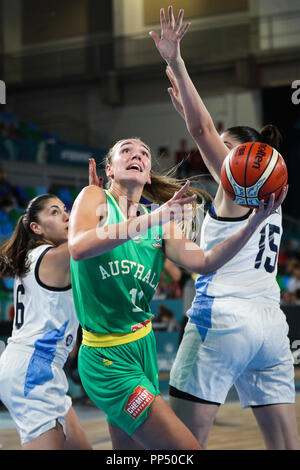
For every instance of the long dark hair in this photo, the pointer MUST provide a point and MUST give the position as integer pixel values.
(268, 135)
(13, 254)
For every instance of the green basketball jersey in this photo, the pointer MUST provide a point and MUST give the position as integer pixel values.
(112, 292)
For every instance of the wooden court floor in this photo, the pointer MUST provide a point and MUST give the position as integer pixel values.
(234, 429)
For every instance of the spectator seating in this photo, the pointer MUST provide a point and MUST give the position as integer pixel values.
(9, 219)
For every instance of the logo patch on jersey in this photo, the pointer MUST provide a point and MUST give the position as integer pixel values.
(107, 362)
(138, 401)
(138, 326)
(138, 239)
(69, 340)
(158, 242)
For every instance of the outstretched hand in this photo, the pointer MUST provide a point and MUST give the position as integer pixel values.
(178, 207)
(168, 44)
(93, 177)
(264, 210)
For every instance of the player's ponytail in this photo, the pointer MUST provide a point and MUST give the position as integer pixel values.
(13, 254)
(268, 135)
(271, 136)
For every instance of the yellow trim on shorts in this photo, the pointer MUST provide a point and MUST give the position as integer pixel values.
(95, 340)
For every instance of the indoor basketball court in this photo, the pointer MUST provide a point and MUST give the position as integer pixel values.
(78, 79)
(234, 429)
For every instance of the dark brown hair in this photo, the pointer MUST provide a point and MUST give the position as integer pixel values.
(268, 135)
(13, 254)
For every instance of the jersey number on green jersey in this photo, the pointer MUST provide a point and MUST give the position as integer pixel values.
(134, 294)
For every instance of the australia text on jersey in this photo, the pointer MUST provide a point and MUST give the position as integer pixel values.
(116, 268)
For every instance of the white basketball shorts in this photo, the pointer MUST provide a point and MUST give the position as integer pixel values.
(33, 389)
(242, 343)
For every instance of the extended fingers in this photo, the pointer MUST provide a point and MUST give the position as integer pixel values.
(179, 20)
(92, 171)
(282, 196)
(163, 21)
(182, 190)
(174, 26)
(155, 37)
(171, 17)
(91, 166)
(183, 31)
(272, 204)
(186, 200)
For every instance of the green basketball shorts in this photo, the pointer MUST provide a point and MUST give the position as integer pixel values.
(121, 380)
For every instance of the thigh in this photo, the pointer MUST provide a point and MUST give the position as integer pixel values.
(163, 430)
(198, 416)
(76, 437)
(54, 439)
(278, 425)
(121, 440)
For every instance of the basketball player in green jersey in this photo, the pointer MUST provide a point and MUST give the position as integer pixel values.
(116, 248)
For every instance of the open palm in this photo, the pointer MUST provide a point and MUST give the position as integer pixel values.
(172, 32)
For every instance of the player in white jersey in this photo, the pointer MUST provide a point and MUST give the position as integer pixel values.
(236, 334)
(33, 385)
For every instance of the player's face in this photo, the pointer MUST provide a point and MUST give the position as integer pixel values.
(229, 141)
(53, 222)
(131, 162)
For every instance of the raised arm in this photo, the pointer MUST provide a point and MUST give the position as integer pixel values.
(185, 96)
(188, 255)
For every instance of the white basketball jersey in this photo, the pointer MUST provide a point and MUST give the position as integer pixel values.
(251, 273)
(45, 317)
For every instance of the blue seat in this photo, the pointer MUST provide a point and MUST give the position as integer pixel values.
(6, 229)
(3, 216)
(65, 195)
(8, 283)
(40, 190)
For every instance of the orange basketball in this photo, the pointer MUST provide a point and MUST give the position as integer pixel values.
(253, 171)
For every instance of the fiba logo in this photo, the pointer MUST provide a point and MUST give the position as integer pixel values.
(2, 92)
(296, 94)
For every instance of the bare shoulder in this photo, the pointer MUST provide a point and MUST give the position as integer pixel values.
(88, 209)
(91, 192)
(90, 199)
(54, 269)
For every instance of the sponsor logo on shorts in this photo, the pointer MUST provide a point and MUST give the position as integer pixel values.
(107, 362)
(138, 401)
(69, 340)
